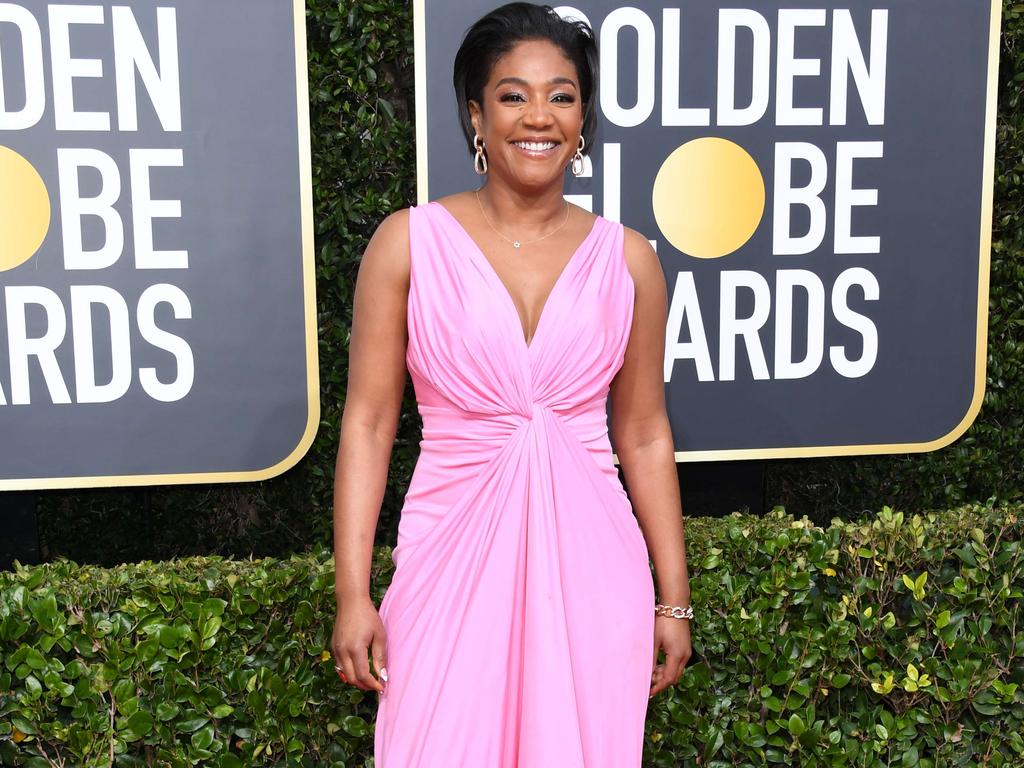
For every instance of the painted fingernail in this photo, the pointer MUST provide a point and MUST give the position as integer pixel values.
(384, 674)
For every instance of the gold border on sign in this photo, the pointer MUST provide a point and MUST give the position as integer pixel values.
(419, 35)
(309, 314)
(984, 263)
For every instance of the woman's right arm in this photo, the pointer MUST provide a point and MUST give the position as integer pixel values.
(373, 401)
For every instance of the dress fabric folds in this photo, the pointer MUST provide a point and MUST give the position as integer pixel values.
(520, 617)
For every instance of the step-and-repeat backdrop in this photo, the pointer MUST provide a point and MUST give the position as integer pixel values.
(817, 181)
(157, 320)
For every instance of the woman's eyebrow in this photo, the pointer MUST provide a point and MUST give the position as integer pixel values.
(552, 81)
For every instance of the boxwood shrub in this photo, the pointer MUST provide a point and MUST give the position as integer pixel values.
(894, 640)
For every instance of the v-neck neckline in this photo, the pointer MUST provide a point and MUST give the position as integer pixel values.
(510, 302)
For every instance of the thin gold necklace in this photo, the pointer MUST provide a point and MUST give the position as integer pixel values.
(517, 243)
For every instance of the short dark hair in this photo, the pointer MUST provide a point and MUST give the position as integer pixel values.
(495, 34)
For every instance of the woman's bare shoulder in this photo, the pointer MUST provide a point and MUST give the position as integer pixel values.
(387, 253)
(392, 232)
(641, 259)
(394, 227)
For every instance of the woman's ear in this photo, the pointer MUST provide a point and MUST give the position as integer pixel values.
(474, 115)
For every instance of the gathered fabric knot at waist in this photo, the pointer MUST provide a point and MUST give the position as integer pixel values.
(537, 411)
(451, 423)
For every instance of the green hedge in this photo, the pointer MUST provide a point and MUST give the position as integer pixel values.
(360, 74)
(893, 641)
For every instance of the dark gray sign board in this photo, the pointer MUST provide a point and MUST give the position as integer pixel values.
(817, 181)
(157, 302)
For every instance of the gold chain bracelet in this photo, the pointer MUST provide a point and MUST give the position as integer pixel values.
(674, 611)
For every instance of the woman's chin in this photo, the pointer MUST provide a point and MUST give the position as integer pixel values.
(538, 177)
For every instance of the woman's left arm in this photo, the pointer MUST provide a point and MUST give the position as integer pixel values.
(640, 428)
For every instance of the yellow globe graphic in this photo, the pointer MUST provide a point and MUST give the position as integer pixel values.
(708, 197)
(24, 209)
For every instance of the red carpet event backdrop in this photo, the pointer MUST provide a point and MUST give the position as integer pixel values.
(157, 320)
(817, 181)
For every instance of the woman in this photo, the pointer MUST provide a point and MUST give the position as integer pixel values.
(520, 627)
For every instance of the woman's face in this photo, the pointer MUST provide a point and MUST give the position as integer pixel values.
(531, 115)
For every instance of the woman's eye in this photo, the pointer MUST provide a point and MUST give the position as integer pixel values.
(561, 98)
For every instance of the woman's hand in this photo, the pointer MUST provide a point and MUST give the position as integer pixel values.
(673, 636)
(358, 627)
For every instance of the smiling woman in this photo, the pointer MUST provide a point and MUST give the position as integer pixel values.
(530, 108)
(520, 628)
(571, 83)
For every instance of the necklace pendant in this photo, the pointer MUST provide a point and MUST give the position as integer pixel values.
(515, 243)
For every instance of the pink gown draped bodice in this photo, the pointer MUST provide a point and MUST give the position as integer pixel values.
(520, 616)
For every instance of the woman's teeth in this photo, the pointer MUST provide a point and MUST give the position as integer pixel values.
(535, 146)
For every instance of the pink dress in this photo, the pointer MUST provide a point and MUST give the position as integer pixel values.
(520, 617)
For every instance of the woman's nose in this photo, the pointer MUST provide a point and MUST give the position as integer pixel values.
(538, 113)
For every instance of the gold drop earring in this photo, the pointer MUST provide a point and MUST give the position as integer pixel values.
(577, 159)
(480, 161)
